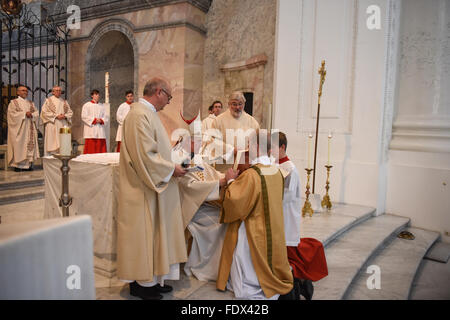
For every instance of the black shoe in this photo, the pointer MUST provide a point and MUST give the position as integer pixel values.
(306, 289)
(288, 296)
(145, 293)
(297, 288)
(164, 289)
(17, 169)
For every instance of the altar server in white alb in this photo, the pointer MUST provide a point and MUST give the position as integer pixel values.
(121, 114)
(94, 118)
(22, 132)
(214, 110)
(306, 255)
(55, 114)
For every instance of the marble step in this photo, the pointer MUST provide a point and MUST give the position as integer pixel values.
(21, 184)
(327, 226)
(348, 253)
(398, 261)
(21, 195)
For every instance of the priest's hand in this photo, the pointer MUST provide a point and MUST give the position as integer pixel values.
(101, 121)
(61, 117)
(179, 171)
(29, 114)
(231, 174)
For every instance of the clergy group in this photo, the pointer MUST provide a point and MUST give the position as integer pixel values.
(186, 207)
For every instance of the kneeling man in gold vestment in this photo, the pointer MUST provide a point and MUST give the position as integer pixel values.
(254, 262)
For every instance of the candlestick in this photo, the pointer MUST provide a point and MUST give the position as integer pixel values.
(310, 136)
(65, 141)
(330, 135)
(66, 200)
(107, 87)
(326, 199)
(307, 206)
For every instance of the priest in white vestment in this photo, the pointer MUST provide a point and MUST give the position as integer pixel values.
(150, 233)
(55, 114)
(22, 120)
(237, 124)
(121, 114)
(93, 115)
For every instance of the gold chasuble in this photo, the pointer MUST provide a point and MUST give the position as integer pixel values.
(256, 197)
(150, 228)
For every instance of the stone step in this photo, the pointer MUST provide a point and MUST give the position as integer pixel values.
(327, 226)
(348, 253)
(398, 261)
(21, 195)
(21, 184)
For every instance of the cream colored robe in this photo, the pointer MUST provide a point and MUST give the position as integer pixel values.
(22, 133)
(216, 147)
(150, 234)
(53, 107)
(201, 218)
(207, 122)
(194, 191)
(243, 201)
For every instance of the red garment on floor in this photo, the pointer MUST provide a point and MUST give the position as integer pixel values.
(94, 146)
(308, 260)
(118, 146)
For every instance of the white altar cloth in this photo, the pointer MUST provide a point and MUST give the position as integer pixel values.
(93, 186)
(47, 259)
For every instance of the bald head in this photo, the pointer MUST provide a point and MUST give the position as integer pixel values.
(158, 92)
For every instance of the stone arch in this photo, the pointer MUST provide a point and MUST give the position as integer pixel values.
(112, 49)
(123, 26)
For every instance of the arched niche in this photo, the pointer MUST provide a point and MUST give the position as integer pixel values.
(114, 50)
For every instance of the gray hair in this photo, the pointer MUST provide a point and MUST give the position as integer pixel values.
(152, 85)
(237, 95)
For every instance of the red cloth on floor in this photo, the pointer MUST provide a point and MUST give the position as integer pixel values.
(118, 146)
(94, 146)
(308, 260)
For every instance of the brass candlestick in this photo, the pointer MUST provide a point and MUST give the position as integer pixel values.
(307, 206)
(66, 200)
(326, 199)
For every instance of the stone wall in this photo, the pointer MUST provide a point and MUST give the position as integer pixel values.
(167, 41)
(238, 31)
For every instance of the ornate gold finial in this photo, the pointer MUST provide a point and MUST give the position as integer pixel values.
(323, 74)
(12, 7)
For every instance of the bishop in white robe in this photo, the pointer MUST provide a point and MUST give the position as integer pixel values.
(55, 114)
(22, 120)
(200, 194)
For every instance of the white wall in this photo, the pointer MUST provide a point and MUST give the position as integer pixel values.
(359, 103)
(419, 156)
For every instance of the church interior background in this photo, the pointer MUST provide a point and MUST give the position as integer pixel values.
(386, 99)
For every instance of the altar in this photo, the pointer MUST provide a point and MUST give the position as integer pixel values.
(93, 186)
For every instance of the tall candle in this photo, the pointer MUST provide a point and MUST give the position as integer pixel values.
(65, 141)
(330, 135)
(310, 136)
(107, 87)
